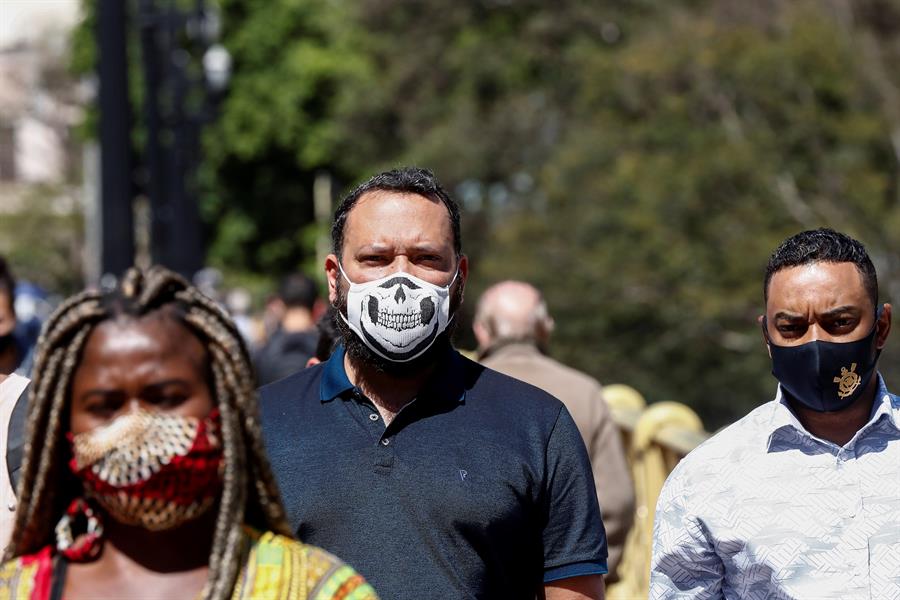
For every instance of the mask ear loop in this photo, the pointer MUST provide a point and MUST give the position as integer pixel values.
(878, 312)
(341, 268)
(452, 281)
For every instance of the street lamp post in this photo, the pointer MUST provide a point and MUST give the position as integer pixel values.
(182, 80)
(116, 182)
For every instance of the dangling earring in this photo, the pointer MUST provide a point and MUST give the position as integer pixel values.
(84, 546)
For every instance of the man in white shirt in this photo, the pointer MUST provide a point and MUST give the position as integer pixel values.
(11, 390)
(800, 498)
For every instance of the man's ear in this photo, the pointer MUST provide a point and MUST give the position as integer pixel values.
(463, 268)
(333, 275)
(884, 327)
(761, 319)
(482, 335)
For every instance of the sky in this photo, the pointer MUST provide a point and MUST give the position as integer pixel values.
(26, 19)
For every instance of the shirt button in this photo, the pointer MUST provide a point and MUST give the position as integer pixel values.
(373, 417)
(385, 441)
(11, 506)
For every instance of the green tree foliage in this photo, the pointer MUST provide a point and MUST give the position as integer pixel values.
(639, 162)
(41, 237)
(691, 152)
(276, 129)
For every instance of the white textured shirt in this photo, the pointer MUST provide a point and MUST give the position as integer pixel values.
(764, 509)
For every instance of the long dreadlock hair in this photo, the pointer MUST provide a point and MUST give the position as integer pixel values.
(249, 494)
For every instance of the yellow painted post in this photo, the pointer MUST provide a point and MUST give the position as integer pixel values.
(653, 461)
(626, 405)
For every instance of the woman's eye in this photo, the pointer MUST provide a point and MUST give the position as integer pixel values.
(170, 399)
(100, 409)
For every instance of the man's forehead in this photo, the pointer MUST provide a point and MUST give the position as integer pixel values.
(411, 199)
(381, 215)
(823, 283)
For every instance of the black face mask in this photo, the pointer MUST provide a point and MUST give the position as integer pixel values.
(825, 376)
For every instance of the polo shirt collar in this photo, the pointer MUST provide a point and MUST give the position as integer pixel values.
(334, 378)
(447, 383)
(784, 421)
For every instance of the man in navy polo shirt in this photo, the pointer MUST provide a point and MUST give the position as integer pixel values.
(431, 475)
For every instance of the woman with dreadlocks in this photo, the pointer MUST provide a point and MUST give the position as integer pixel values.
(144, 473)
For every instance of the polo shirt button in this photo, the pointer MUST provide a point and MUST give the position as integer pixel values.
(11, 506)
(385, 441)
(373, 417)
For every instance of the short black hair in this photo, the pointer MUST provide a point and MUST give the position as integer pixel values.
(407, 180)
(7, 281)
(298, 291)
(822, 245)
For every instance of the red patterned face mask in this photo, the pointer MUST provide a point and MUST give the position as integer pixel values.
(151, 469)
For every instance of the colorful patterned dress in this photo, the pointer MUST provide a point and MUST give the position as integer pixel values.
(275, 568)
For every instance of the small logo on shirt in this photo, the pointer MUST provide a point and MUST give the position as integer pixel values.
(848, 381)
(463, 474)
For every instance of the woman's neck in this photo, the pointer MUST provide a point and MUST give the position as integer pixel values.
(183, 548)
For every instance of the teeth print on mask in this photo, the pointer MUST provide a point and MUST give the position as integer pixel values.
(151, 469)
(398, 316)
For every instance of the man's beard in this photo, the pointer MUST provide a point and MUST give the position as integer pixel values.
(358, 352)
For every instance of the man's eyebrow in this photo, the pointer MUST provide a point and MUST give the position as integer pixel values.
(373, 247)
(429, 247)
(788, 316)
(840, 310)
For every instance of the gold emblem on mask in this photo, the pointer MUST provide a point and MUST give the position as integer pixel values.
(848, 381)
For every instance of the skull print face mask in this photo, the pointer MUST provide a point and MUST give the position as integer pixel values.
(398, 316)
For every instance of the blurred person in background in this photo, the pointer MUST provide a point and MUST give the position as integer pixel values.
(144, 473)
(13, 409)
(238, 302)
(15, 349)
(329, 338)
(432, 475)
(293, 342)
(800, 498)
(32, 307)
(15, 364)
(513, 327)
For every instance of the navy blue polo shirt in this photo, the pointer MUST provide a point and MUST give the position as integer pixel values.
(479, 488)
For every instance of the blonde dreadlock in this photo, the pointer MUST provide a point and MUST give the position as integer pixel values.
(249, 495)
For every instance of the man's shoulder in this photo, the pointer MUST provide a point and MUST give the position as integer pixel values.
(571, 375)
(561, 381)
(737, 443)
(299, 386)
(503, 391)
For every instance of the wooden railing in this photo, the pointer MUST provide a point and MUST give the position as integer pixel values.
(655, 439)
